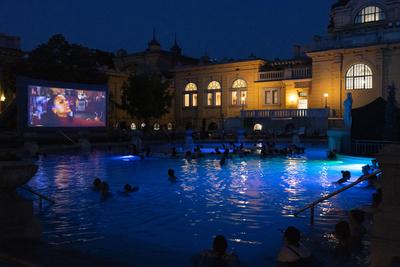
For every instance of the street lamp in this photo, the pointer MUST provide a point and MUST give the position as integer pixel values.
(326, 99)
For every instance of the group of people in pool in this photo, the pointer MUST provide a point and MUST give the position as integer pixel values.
(366, 170)
(292, 253)
(104, 188)
(268, 149)
(348, 238)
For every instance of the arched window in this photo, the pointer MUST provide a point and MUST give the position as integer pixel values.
(156, 126)
(214, 94)
(239, 83)
(190, 95)
(359, 76)
(239, 92)
(370, 14)
(133, 126)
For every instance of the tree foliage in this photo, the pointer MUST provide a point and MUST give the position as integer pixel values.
(146, 96)
(59, 60)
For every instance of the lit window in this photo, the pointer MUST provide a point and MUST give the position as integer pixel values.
(209, 99)
(214, 85)
(156, 126)
(187, 100)
(239, 83)
(359, 76)
(191, 87)
(143, 125)
(272, 96)
(275, 98)
(194, 100)
(234, 98)
(169, 126)
(218, 98)
(133, 126)
(214, 89)
(190, 95)
(268, 97)
(243, 97)
(370, 14)
(241, 91)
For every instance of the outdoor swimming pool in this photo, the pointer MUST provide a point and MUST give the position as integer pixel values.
(163, 224)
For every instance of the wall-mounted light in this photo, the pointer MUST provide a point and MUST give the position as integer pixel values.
(292, 99)
(326, 99)
(2, 97)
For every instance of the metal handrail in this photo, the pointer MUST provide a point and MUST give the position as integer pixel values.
(41, 197)
(312, 205)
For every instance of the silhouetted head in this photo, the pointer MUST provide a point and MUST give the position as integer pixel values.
(171, 173)
(220, 244)
(342, 231)
(346, 174)
(97, 182)
(292, 236)
(128, 188)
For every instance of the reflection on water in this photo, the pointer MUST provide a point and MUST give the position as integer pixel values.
(247, 200)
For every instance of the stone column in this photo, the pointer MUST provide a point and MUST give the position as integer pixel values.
(386, 230)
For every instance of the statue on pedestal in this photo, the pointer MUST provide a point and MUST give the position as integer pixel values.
(348, 103)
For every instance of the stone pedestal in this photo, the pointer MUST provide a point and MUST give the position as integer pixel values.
(339, 140)
(17, 220)
(386, 231)
(16, 214)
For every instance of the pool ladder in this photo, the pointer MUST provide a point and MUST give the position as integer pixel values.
(312, 205)
(40, 196)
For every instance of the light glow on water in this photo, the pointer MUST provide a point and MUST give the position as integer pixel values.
(163, 224)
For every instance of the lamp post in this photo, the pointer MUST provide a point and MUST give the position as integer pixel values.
(326, 99)
(2, 100)
(242, 101)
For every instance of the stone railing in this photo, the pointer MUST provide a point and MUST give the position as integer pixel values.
(287, 74)
(286, 113)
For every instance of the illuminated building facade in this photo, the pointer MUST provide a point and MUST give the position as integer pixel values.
(359, 55)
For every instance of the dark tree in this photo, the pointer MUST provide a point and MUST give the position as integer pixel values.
(146, 96)
(58, 60)
(391, 116)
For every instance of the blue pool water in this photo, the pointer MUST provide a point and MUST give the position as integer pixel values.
(248, 200)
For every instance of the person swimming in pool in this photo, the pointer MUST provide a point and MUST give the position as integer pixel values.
(171, 175)
(130, 189)
(346, 175)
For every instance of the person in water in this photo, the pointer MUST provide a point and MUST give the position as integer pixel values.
(217, 256)
(97, 183)
(171, 175)
(293, 252)
(129, 189)
(346, 175)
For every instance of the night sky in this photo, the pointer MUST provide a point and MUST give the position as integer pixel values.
(220, 28)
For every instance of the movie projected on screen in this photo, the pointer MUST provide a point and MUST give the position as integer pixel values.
(62, 107)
